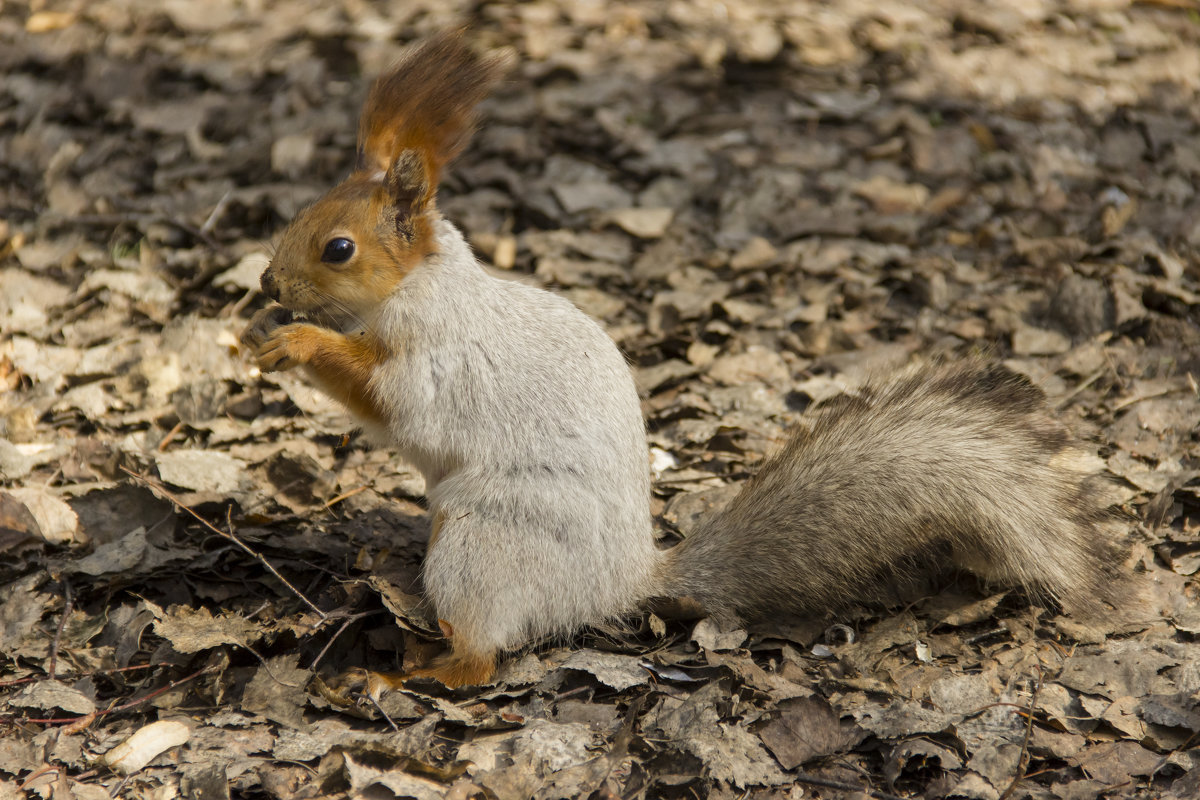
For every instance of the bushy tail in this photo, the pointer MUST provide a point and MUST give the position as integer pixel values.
(945, 466)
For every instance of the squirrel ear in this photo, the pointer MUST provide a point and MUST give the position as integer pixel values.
(407, 183)
(426, 103)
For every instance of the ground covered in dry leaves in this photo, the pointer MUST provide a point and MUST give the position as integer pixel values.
(763, 201)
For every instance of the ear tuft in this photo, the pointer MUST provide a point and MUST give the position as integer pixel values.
(421, 112)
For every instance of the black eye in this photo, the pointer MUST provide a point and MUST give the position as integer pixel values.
(338, 251)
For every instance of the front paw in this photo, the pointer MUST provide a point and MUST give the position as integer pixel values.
(261, 325)
(288, 346)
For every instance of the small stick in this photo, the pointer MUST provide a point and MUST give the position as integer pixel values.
(120, 787)
(236, 309)
(143, 218)
(130, 704)
(349, 620)
(345, 495)
(217, 211)
(1023, 761)
(68, 604)
(33, 678)
(166, 440)
(804, 777)
(19, 681)
(158, 488)
(1137, 398)
(39, 772)
(391, 723)
(1162, 762)
(1086, 382)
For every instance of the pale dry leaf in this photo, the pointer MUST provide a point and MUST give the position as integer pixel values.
(997, 762)
(277, 690)
(712, 637)
(190, 630)
(756, 253)
(757, 363)
(1115, 762)
(922, 751)
(976, 787)
(21, 610)
(146, 744)
(202, 470)
(27, 299)
(644, 223)
(973, 612)
(49, 694)
(57, 522)
(364, 778)
(1121, 668)
(150, 292)
(729, 751)
(612, 669)
(892, 197)
(902, 718)
(808, 728)
(124, 554)
(1030, 341)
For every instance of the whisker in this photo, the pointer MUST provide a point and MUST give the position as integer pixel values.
(329, 301)
(270, 246)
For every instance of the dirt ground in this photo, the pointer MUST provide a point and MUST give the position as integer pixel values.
(763, 201)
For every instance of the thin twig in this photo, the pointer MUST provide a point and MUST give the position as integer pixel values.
(144, 218)
(345, 495)
(166, 440)
(383, 713)
(235, 310)
(68, 604)
(19, 681)
(33, 678)
(804, 777)
(217, 211)
(1162, 762)
(120, 787)
(1086, 382)
(131, 703)
(1137, 398)
(349, 620)
(172, 685)
(1023, 761)
(267, 668)
(45, 769)
(158, 488)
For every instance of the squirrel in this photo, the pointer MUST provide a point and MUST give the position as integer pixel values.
(522, 415)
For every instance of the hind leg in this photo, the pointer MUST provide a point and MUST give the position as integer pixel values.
(462, 666)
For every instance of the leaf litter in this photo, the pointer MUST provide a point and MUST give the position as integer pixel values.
(762, 202)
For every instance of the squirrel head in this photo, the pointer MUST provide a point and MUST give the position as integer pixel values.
(344, 254)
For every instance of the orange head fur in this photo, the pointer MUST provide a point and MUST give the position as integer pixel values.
(344, 254)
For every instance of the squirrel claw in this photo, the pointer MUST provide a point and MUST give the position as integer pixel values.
(261, 325)
(340, 691)
(272, 354)
(267, 336)
(348, 688)
(288, 346)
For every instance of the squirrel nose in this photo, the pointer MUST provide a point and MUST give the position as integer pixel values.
(268, 285)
